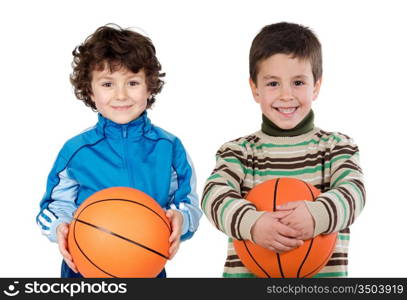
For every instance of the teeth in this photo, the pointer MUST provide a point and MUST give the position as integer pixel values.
(287, 110)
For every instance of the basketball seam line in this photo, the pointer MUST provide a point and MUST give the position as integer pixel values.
(248, 251)
(121, 237)
(274, 209)
(312, 240)
(79, 213)
(84, 254)
(127, 200)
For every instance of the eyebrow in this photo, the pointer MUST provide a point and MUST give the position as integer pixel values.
(104, 77)
(267, 77)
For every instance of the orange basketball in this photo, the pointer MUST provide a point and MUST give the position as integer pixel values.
(119, 232)
(304, 261)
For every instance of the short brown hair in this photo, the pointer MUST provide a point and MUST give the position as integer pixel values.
(117, 48)
(286, 38)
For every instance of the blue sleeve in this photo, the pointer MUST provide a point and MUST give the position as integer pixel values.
(183, 188)
(58, 204)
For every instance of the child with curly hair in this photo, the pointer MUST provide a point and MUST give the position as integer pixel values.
(116, 73)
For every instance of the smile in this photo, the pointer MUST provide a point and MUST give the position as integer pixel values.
(286, 111)
(122, 108)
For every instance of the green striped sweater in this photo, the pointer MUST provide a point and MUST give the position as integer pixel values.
(329, 161)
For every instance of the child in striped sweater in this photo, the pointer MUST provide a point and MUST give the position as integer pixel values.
(285, 78)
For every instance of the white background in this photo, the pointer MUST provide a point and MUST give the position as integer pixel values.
(203, 47)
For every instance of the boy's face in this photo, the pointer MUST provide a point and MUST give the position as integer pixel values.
(285, 89)
(120, 96)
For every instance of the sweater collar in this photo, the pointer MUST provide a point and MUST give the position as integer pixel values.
(132, 129)
(306, 125)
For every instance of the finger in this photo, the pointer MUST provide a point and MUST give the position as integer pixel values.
(62, 234)
(306, 235)
(65, 253)
(291, 221)
(173, 249)
(171, 217)
(286, 220)
(280, 248)
(175, 234)
(172, 252)
(289, 242)
(169, 214)
(281, 214)
(175, 225)
(65, 230)
(71, 265)
(272, 249)
(63, 249)
(62, 229)
(288, 231)
(289, 205)
(67, 257)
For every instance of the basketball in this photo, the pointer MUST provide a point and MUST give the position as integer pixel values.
(119, 232)
(304, 261)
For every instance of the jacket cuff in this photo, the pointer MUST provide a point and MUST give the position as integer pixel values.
(320, 215)
(248, 220)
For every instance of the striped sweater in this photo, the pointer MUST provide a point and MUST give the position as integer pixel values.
(327, 160)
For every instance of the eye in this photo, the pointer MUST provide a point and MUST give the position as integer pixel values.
(272, 83)
(134, 83)
(107, 84)
(298, 83)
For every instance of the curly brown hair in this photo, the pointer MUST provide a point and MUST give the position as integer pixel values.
(286, 38)
(115, 47)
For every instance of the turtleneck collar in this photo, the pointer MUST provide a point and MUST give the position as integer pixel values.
(132, 129)
(306, 125)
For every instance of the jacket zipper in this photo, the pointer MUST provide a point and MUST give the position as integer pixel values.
(124, 131)
(126, 155)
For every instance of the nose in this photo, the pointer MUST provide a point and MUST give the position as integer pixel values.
(121, 93)
(286, 92)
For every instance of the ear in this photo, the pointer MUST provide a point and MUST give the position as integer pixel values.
(317, 87)
(255, 92)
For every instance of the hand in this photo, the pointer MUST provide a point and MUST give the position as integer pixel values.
(270, 233)
(62, 236)
(300, 219)
(176, 220)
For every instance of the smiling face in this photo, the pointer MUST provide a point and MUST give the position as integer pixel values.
(120, 96)
(285, 89)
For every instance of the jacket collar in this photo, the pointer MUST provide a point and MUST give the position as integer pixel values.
(133, 129)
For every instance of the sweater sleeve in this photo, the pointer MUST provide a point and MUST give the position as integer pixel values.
(58, 203)
(183, 191)
(337, 208)
(222, 201)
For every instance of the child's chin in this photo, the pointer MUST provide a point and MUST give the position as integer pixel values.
(123, 117)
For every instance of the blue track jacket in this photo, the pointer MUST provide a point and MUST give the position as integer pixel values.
(138, 155)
